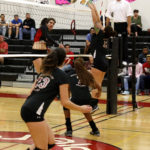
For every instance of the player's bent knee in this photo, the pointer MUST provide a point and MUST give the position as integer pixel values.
(51, 146)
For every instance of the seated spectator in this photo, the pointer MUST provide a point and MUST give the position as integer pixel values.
(136, 24)
(88, 39)
(138, 72)
(121, 74)
(69, 61)
(15, 26)
(3, 48)
(142, 56)
(145, 77)
(28, 27)
(3, 25)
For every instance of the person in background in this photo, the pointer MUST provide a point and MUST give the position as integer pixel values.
(145, 77)
(138, 73)
(88, 39)
(136, 23)
(69, 60)
(28, 27)
(122, 13)
(15, 25)
(142, 56)
(3, 48)
(3, 25)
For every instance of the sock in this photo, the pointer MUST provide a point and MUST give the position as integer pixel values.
(93, 125)
(68, 124)
(51, 146)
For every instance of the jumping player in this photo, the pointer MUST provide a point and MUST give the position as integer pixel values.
(98, 45)
(51, 81)
(80, 81)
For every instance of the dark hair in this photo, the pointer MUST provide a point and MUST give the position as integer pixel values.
(53, 60)
(92, 28)
(49, 19)
(66, 45)
(27, 13)
(43, 22)
(16, 15)
(84, 75)
(135, 11)
(108, 31)
(2, 15)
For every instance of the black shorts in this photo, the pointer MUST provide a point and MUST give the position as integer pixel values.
(29, 116)
(34, 51)
(100, 63)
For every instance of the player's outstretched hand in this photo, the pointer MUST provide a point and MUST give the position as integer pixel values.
(86, 109)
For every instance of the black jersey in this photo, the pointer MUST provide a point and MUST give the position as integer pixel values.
(80, 93)
(97, 43)
(45, 90)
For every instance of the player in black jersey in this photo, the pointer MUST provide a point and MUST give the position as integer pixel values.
(50, 82)
(81, 82)
(98, 45)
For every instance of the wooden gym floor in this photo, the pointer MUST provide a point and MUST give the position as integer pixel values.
(127, 130)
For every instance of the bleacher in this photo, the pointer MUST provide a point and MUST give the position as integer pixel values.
(21, 69)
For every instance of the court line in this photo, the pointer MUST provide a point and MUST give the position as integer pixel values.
(107, 119)
(87, 121)
(9, 146)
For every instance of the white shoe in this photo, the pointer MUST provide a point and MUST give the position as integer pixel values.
(126, 93)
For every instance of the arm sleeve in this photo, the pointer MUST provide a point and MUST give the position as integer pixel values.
(38, 35)
(63, 78)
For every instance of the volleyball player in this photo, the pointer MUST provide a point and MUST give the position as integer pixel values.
(98, 45)
(42, 39)
(80, 81)
(50, 82)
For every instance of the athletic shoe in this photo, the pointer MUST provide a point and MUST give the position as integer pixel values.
(94, 108)
(68, 133)
(95, 133)
(125, 93)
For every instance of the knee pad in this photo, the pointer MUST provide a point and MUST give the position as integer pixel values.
(37, 148)
(51, 146)
(65, 108)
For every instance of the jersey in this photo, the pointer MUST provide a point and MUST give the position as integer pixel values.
(99, 51)
(45, 90)
(80, 93)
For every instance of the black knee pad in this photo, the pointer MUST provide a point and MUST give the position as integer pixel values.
(37, 148)
(51, 146)
(65, 108)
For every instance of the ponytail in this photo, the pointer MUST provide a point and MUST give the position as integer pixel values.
(85, 76)
(53, 60)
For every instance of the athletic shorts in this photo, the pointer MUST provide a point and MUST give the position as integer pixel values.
(38, 52)
(100, 63)
(29, 116)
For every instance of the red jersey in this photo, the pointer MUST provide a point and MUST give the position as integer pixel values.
(146, 68)
(4, 45)
(38, 35)
(72, 58)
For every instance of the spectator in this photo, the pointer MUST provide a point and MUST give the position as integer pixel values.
(145, 77)
(3, 25)
(88, 39)
(28, 27)
(139, 71)
(121, 11)
(69, 61)
(3, 48)
(136, 24)
(15, 25)
(142, 56)
(121, 74)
